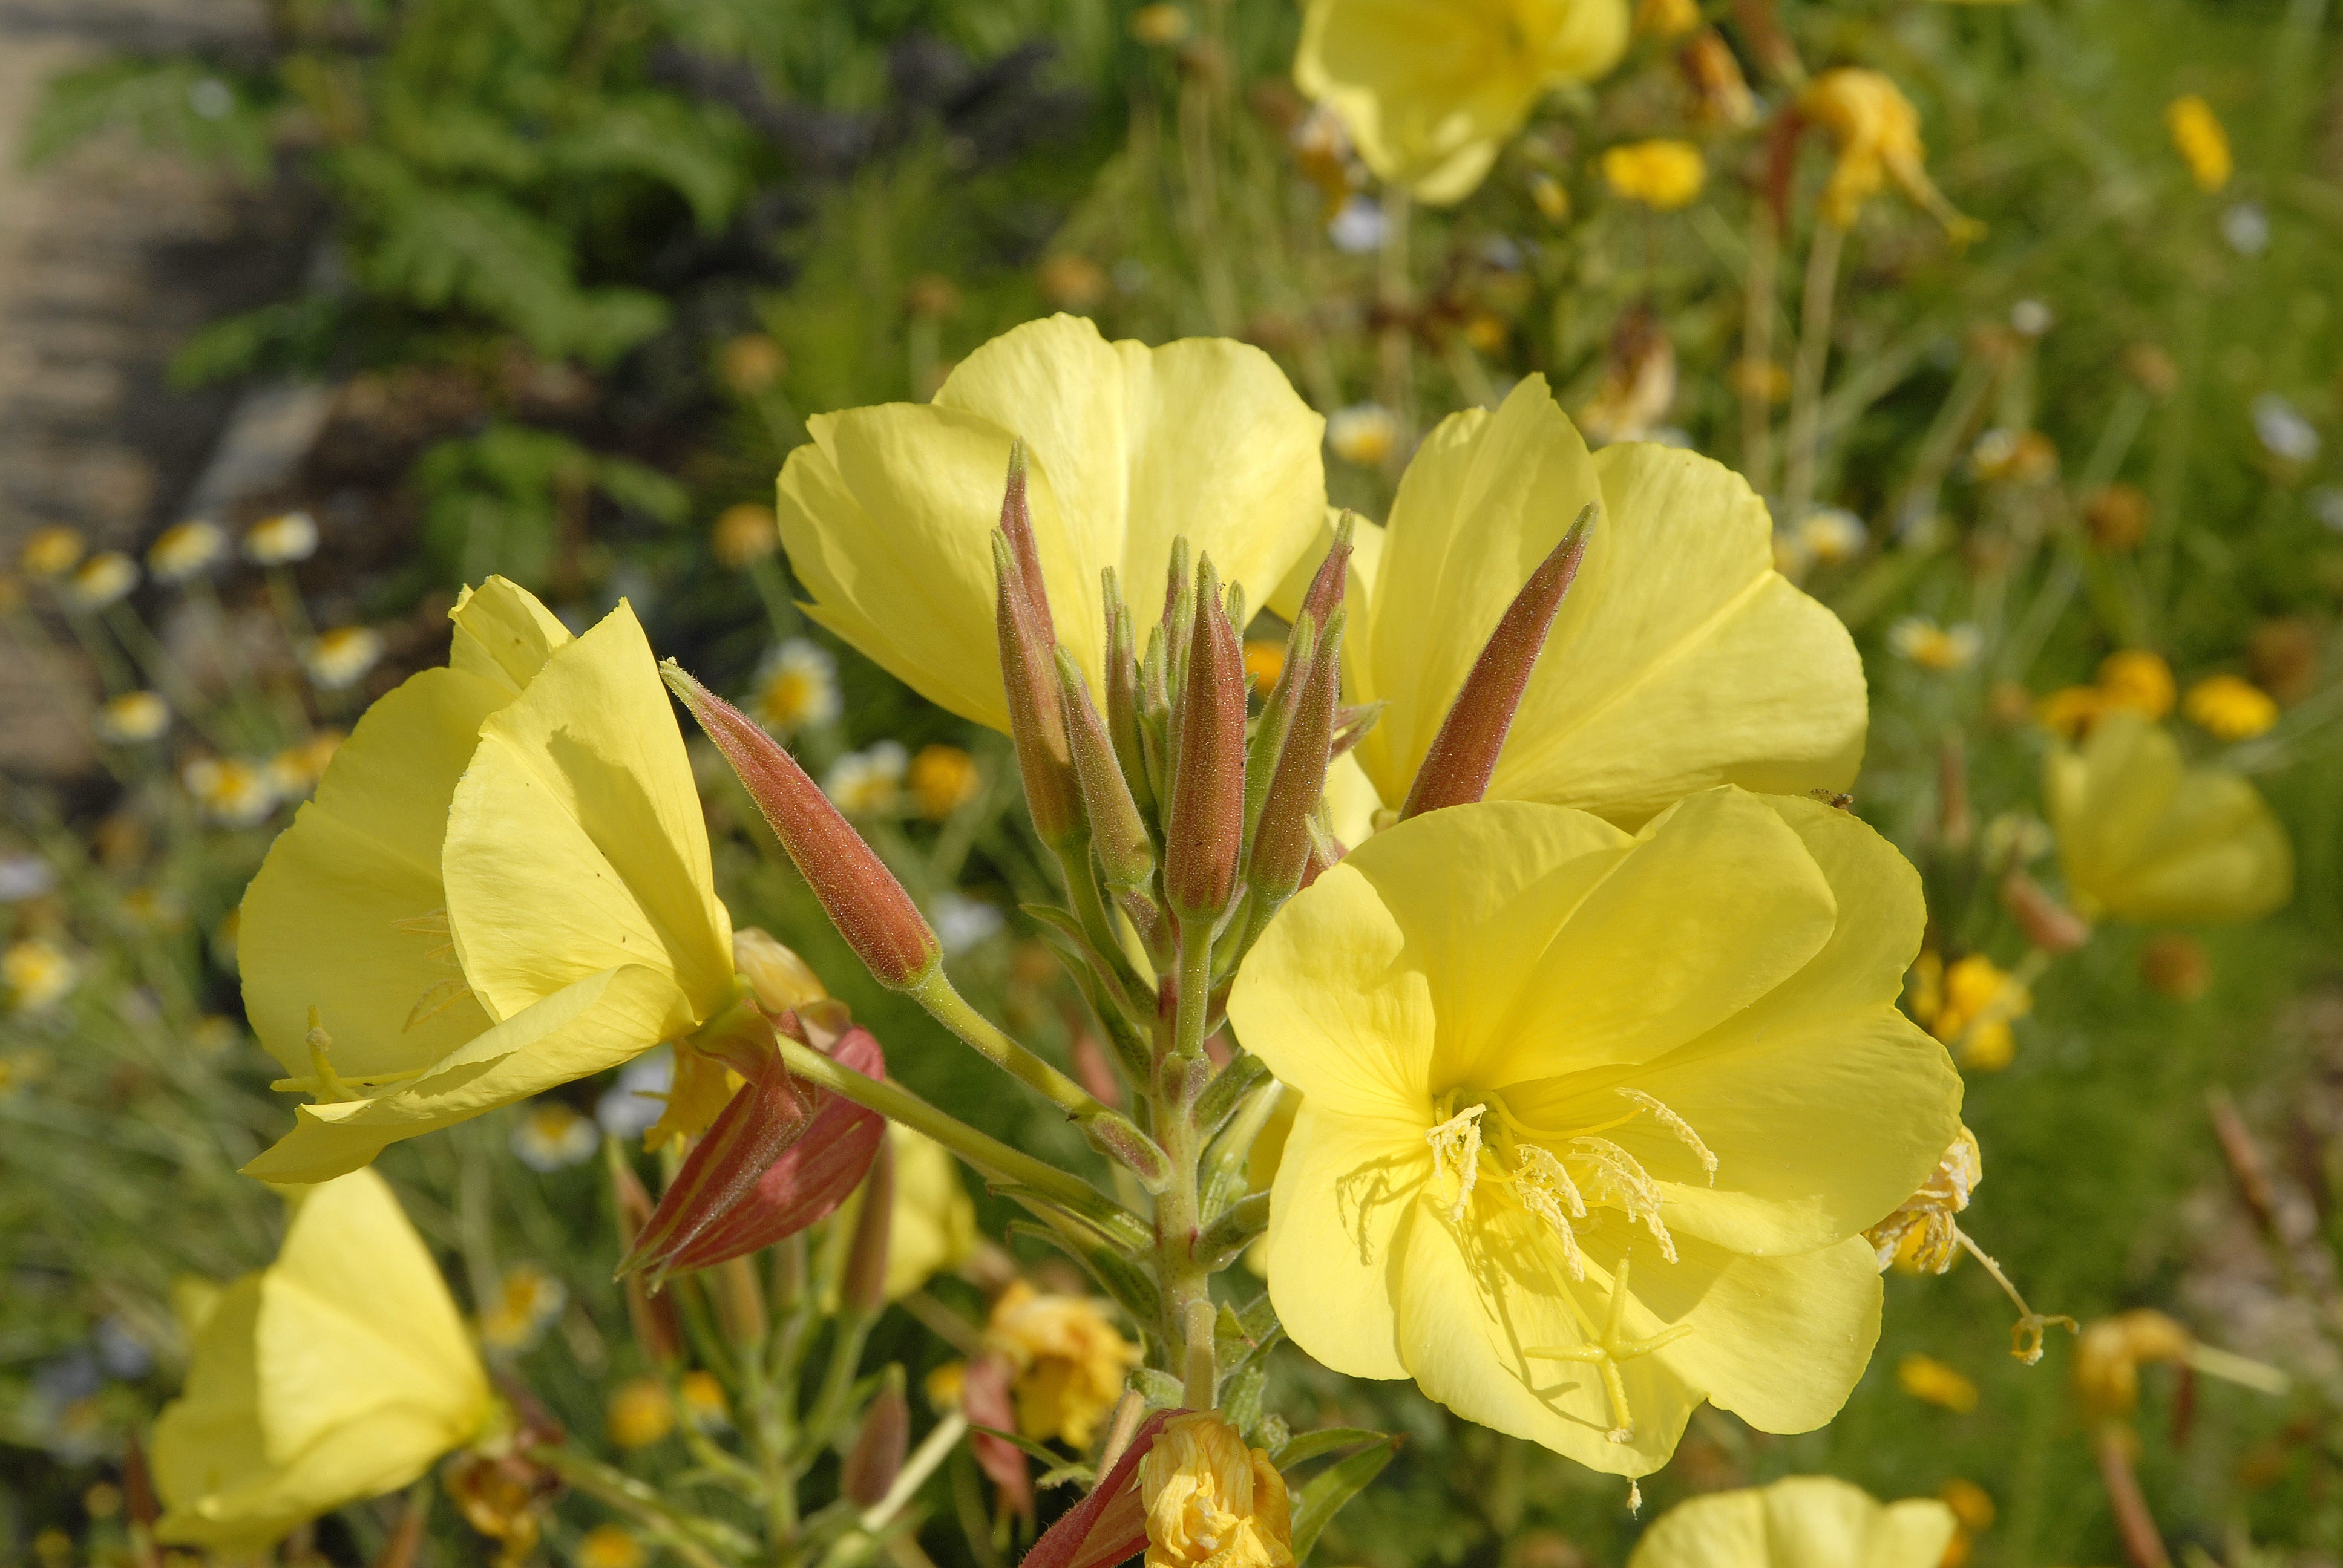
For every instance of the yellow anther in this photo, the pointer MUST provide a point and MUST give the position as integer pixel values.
(1676, 1124)
(1457, 1157)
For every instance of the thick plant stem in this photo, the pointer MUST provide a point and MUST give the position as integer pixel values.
(1178, 1216)
(1813, 353)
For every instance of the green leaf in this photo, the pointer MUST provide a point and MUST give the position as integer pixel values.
(675, 144)
(1160, 1390)
(1333, 1487)
(182, 106)
(1317, 1445)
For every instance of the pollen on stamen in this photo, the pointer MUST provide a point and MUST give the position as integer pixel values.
(1622, 1178)
(1458, 1140)
(1676, 1124)
(1542, 1185)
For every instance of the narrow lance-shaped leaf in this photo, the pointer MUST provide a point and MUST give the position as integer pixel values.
(1323, 1497)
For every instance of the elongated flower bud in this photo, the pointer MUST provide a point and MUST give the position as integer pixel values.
(1037, 721)
(1333, 573)
(876, 1458)
(1205, 833)
(2047, 923)
(859, 894)
(812, 1175)
(862, 1286)
(1269, 731)
(1281, 847)
(1117, 830)
(1455, 771)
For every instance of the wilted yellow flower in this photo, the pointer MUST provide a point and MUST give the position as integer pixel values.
(942, 778)
(1534, 1050)
(1432, 92)
(2108, 1356)
(2136, 681)
(132, 719)
(1679, 660)
(36, 975)
(529, 1299)
(743, 534)
(1663, 174)
(638, 1413)
(340, 1372)
(502, 885)
(1639, 381)
(103, 580)
(1070, 1361)
(182, 550)
(933, 1223)
(2144, 838)
(1211, 1500)
(1934, 647)
(1363, 433)
(49, 553)
(1921, 1233)
(231, 791)
(1930, 1380)
(282, 539)
(2203, 145)
(609, 1546)
(1805, 1522)
(2232, 709)
(797, 688)
(1876, 132)
(1128, 447)
(342, 656)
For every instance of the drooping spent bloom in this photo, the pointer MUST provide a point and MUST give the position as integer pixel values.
(2144, 837)
(1663, 174)
(502, 885)
(1921, 1233)
(2198, 138)
(1067, 1360)
(1680, 658)
(185, 550)
(281, 540)
(132, 719)
(1804, 1522)
(263, 1440)
(1580, 1110)
(797, 688)
(1128, 447)
(2230, 707)
(1432, 90)
(1213, 1502)
(1876, 133)
(342, 656)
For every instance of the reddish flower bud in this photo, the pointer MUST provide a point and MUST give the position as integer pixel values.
(813, 1174)
(985, 1399)
(1037, 720)
(1205, 832)
(1281, 847)
(2047, 923)
(859, 894)
(1333, 574)
(1269, 731)
(876, 1458)
(1117, 832)
(862, 1286)
(1455, 771)
(1123, 695)
(1110, 1524)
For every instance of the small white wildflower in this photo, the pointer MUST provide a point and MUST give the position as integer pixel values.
(867, 781)
(797, 688)
(1358, 228)
(342, 656)
(132, 719)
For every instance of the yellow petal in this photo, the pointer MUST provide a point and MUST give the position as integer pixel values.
(1344, 1185)
(2145, 838)
(503, 633)
(886, 513)
(576, 842)
(1804, 1522)
(322, 923)
(596, 1024)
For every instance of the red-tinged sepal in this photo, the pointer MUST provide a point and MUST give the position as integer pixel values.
(1110, 1524)
(1456, 771)
(859, 894)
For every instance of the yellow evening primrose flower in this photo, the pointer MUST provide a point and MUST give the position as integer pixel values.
(1592, 1123)
(1432, 90)
(1213, 1502)
(1663, 174)
(1070, 1361)
(2144, 837)
(934, 1224)
(1805, 1522)
(2135, 678)
(2202, 143)
(2230, 707)
(1876, 132)
(502, 885)
(1680, 657)
(340, 1372)
(887, 512)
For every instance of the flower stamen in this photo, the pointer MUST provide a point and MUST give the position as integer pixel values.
(1457, 1157)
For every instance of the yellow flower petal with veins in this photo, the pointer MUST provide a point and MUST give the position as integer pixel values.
(1680, 658)
(1592, 1123)
(2142, 836)
(340, 1372)
(1431, 90)
(502, 885)
(888, 511)
(1805, 1522)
